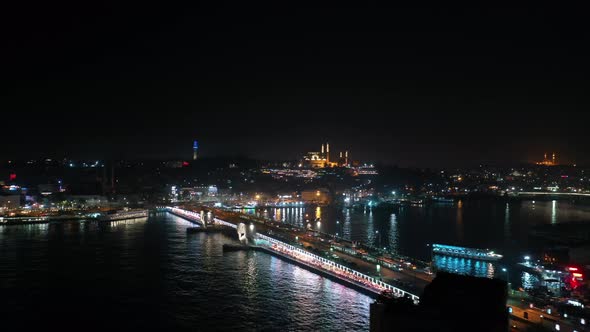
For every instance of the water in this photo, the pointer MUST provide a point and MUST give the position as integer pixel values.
(148, 274)
(408, 230)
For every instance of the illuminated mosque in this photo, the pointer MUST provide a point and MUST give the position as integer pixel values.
(548, 162)
(322, 159)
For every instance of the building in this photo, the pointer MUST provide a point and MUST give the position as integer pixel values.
(9, 202)
(343, 160)
(195, 150)
(451, 302)
(548, 162)
(320, 196)
(320, 159)
(88, 200)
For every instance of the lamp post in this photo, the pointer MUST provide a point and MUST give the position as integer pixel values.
(507, 277)
(378, 244)
(430, 256)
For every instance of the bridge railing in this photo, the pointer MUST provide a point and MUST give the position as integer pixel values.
(382, 285)
(190, 215)
(224, 223)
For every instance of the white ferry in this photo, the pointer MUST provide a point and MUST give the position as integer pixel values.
(479, 254)
(122, 215)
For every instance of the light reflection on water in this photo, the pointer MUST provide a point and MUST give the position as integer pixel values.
(529, 280)
(153, 275)
(493, 224)
(464, 266)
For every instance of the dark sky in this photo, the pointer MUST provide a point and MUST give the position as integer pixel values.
(412, 86)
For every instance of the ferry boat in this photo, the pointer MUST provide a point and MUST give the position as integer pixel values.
(122, 215)
(438, 199)
(250, 205)
(473, 253)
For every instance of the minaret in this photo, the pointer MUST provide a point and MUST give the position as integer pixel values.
(346, 158)
(545, 157)
(553, 158)
(328, 152)
(323, 151)
(195, 150)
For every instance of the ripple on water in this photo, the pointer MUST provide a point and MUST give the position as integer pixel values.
(152, 275)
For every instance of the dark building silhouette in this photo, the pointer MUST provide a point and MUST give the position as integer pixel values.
(450, 303)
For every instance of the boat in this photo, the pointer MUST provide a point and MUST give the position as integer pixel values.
(122, 215)
(438, 199)
(473, 253)
(250, 205)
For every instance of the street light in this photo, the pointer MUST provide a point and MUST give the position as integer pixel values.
(430, 262)
(507, 276)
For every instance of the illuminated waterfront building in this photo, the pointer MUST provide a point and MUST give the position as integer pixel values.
(320, 196)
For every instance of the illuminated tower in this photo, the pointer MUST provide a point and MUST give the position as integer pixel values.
(195, 150)
(323, 152)
(553, 158)
(346, 158)
(328, 152)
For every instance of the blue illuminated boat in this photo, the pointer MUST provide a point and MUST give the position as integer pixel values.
(473, 253)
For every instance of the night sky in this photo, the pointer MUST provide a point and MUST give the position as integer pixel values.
(408, 86)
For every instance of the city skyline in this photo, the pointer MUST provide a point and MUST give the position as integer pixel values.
(407, 86)
(348, 166)
(283, 151)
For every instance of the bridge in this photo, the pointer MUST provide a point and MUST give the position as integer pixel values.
(318, 264)
(550, 194)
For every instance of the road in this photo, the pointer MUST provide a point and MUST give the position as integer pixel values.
(410, 280)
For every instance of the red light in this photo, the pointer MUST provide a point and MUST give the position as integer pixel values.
(12, 176)
(184, 163)
(572, 268)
